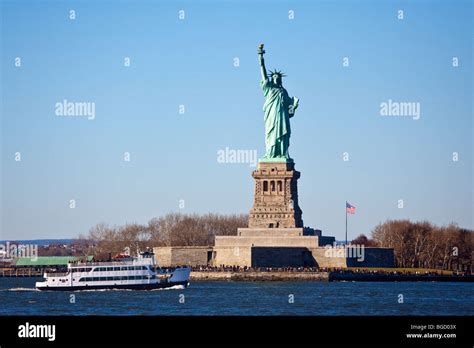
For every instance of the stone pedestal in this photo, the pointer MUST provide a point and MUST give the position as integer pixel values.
(269, 247)
(275, 235)
(275, 202)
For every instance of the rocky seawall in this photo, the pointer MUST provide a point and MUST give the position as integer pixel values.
(322, 276)
(258, 276)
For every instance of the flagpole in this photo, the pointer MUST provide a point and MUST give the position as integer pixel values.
(346, 222)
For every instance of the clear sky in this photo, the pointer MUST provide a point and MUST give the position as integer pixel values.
(190, 62)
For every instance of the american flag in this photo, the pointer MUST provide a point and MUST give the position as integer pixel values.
(350, 208)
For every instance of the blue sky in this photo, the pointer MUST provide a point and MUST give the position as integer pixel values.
(190, 62)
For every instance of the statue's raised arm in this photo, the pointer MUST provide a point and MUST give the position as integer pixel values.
(263, 71)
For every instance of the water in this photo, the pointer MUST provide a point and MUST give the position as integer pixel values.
(18, 297)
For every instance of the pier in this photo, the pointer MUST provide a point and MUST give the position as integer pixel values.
(20, 272)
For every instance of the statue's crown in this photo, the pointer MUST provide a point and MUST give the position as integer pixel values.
(276, 73)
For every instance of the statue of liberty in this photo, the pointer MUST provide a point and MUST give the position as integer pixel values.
(278, 109)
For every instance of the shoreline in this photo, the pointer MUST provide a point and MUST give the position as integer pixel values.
(285, 275)
(322, 276)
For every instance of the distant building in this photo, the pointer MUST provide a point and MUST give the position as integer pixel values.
(48, 261)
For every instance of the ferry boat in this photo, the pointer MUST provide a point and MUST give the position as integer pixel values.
(136, 273)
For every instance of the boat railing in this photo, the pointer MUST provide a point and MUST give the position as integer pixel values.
(119, 263)
(63, 274)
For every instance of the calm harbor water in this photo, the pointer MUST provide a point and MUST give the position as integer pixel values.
(18, 297)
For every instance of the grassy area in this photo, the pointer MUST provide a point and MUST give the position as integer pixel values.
(403, 270)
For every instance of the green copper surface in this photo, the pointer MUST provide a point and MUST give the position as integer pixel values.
(278, 108)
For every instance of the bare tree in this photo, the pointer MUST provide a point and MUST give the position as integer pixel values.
(362, 239)
(421, 244)
(173, 229)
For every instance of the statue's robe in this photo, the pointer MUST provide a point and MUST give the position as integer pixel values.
(277, 119)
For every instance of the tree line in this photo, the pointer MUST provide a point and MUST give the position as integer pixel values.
(415, 244)
(424, 245)
(173, 229)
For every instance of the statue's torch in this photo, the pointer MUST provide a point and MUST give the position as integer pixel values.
(261, 51)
